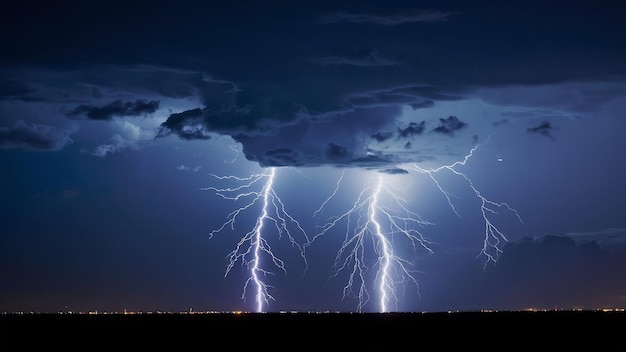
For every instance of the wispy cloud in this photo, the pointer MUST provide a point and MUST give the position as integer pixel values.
(116, 108)
(425, 16)
(128, 136)
(39, 137)
(188, 168)
(373, 58)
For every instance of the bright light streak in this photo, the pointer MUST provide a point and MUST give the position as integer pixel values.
(236, 151)
(253, 247)
(370, 221)
(493, 236)
(385, 226)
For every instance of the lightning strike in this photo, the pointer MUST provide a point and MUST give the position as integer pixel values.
(236, 151)
(254, 247)
(494, 238)
(369, 222)
(375, 229)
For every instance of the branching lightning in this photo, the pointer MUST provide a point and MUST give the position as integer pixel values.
(368, 221)
(254, 247)
(383, 226)
(379, 226)
(493, 236)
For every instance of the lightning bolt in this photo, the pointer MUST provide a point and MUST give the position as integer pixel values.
(385, 226)
(493, 236)
(254, 247)
(236, 151)
(367, 222)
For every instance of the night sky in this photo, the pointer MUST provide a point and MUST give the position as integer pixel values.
(426, 155)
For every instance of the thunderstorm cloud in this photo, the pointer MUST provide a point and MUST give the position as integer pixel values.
(425, 16)
(186, 125)
(27, 136)
(449, 125)
(394, 171)
(116, 108)
(363, 57)
(14, 89)
(544, 129)
(412, 129)
(318, 84)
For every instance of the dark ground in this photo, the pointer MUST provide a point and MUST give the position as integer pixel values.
(530, 331)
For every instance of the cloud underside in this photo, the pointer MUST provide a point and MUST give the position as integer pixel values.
(424, 16)
(35, 137)
(119, 108)
(344, 87)
(367, 59)
(311, 123)
(362, 137)
(379, 128)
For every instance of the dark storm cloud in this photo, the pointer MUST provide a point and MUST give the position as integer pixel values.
(570, 99)
(282, 157)
(362, 56)
(371, 59)
(426, 16)
(371, 161)
(415, 96)
(423, 105)
(612, 240)
(413, 129)
(381, 99)
(187, 125)
(139, 107)
(382, 136)
(394, 171)
(275, 131)
(249, 109)
(338, 139)
(14, 89)
(544, 129)
(258, 84)
(138, 84)
(34, 137)
(336, 151)
(449, 125)
(428, 92)
(539, 113)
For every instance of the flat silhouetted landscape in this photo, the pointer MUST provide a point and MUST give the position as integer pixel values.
(552, 330)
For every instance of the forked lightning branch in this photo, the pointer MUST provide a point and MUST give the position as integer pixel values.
(253, 251)
(373, 227)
